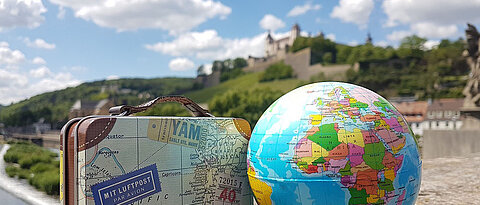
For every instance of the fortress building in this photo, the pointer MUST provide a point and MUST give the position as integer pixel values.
(280, 46)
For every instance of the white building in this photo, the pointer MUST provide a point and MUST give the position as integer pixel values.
(441, 114)
(444, 114)
(274, 47)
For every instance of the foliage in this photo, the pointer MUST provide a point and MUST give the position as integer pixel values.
(415, 71)
(246, 104)
(412, 46)
(229, 68)
(231, 74)
(277, 71)
(36, 164)
(249, 80)
(54, 106)
(322, 50)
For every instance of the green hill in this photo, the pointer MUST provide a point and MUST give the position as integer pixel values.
(54, 106)
(244, 82)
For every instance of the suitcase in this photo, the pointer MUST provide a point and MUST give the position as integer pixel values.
(121, 159)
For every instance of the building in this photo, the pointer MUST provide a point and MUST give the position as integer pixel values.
(83, 108)
(441, 114)
(444, 114)
(415, 113)
(274, 47)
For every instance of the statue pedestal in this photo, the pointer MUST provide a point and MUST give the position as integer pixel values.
(471, 118)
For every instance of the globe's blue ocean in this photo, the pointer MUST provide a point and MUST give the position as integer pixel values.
(284, 127)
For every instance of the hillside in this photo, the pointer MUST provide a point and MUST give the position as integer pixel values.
(54, 106)
(244, 82)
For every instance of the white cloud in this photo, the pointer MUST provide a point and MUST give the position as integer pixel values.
(300, 10)
(381, 43)
(10, 57)
(207, 68)
(39, 60)
(175, 16)
(181, 64)
(432, 18)
(21, 13)
(440, 12)
(431, 30)
(353, 11)
(398, 35)
(11, 79)
(61, 12)
(40, 72)
(330, 36)
(113, 77)
(352, 43)
(209, 46)
(18, 84)
(431, 44)
(270, 22)
(39, 43)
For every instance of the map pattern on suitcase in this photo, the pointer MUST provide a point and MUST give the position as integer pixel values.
(199, 160)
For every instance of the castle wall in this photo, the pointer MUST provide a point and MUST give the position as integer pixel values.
(300, 62)
(209, 80)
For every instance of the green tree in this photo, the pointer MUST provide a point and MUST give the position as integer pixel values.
(412, 46)
(301, 43)
(277, 71)
(246, 104)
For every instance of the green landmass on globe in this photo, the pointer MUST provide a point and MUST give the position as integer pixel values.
(333, 143)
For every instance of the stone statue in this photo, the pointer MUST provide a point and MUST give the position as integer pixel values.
(472, 89)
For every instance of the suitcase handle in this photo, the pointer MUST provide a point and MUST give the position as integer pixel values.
(125, 110)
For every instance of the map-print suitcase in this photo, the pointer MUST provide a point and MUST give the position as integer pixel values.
(121, 159)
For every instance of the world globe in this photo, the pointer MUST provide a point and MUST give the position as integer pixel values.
(333, 143)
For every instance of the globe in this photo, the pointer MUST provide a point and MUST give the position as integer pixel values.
(333, 143)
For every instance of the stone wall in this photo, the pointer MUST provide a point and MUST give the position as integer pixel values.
(450, 143)
(300, 62)
(209, 80)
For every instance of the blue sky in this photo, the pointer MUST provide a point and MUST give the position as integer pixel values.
(52, 44)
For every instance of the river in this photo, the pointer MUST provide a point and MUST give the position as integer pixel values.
(8, 198)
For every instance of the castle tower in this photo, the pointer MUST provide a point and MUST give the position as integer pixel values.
(294, 33)
(369, 39)
(269, 45)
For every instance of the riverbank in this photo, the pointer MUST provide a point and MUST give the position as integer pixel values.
(20, 188)
(453, 180)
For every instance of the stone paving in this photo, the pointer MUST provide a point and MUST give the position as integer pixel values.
(451, 180)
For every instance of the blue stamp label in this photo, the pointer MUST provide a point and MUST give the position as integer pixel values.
(128, 188)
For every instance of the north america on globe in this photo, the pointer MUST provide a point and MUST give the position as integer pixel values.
(333, 143)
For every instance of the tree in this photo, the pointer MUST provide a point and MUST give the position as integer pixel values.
(412, 46)
(277, 71)
(240, 63)
(246, 104)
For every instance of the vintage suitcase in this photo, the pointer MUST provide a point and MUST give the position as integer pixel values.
(121, 159)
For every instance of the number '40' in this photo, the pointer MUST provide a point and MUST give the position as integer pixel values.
(228, 195)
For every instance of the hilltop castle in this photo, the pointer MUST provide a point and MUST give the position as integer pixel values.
(277, 50)
(274, 47)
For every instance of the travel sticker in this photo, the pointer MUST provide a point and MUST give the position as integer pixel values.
(128, 188)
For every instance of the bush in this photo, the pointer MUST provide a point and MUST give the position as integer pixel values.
(12, 171)
(277, 71)
(48, 181)
(43, 167)
(36, 164)
(246, 104)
